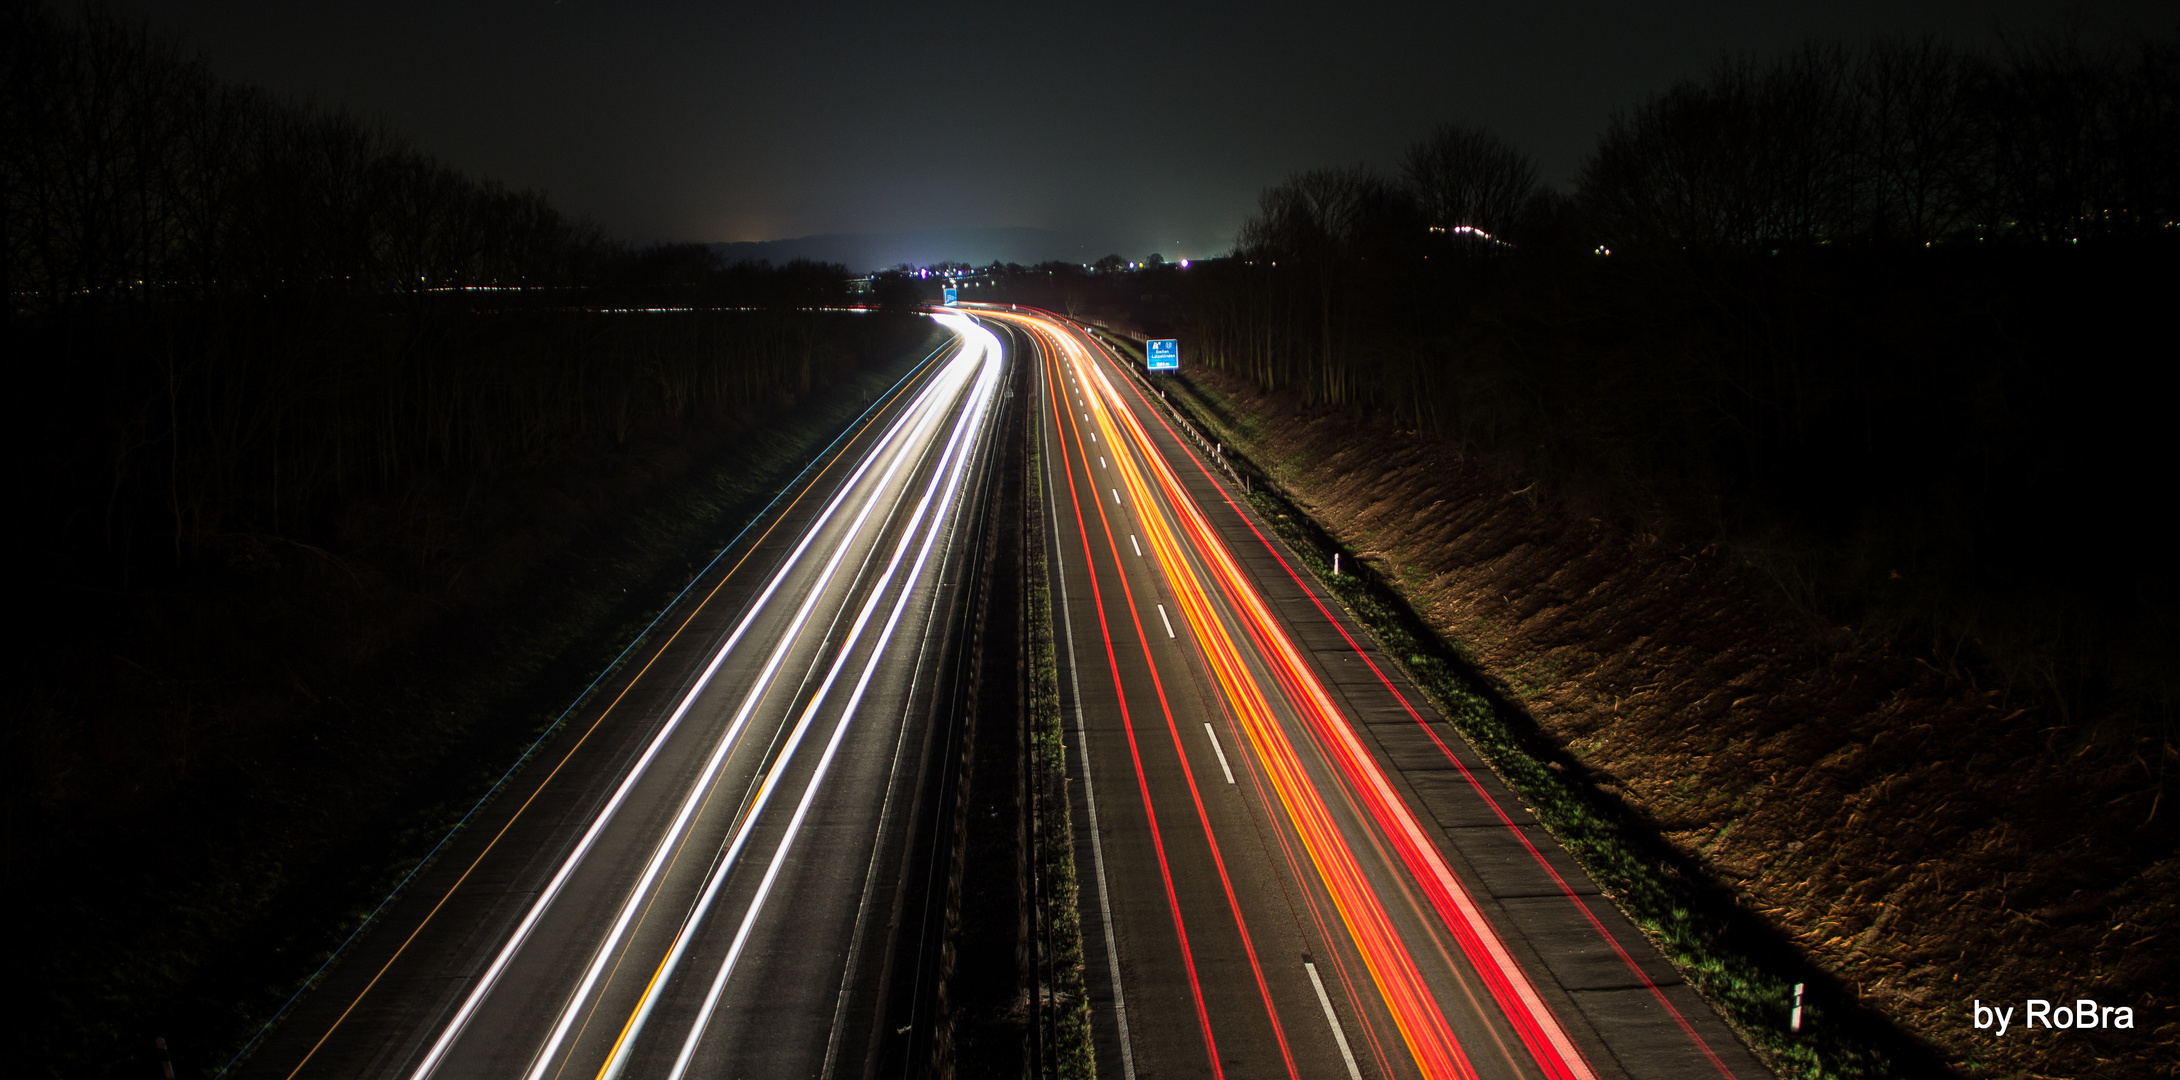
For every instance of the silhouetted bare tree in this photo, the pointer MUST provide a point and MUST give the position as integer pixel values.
(1311, 255)
(2051, 141)
(1754, 156)
(1919, 147)
(1469, 177)
(131, 175)
(2084, 139)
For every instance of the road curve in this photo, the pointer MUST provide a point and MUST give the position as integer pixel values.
(1291, 867)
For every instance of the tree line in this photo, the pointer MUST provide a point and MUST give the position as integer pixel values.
(234, 315)
(1865, 313)
(134, 175)
(1913, 142)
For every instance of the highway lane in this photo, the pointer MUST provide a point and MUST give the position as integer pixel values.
(714, 898)
(1279, 902)
(1246, 903)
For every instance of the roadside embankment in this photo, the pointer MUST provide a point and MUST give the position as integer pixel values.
(1925, 841)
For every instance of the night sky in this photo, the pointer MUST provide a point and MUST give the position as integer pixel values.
(1143, 126)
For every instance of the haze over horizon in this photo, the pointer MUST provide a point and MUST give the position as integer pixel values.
(1129, 129)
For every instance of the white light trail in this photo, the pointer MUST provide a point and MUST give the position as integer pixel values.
(988, 383)
(662, 853)
(907, 419)
(950, 464)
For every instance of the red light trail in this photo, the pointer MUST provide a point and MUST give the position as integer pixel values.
(1394, 972)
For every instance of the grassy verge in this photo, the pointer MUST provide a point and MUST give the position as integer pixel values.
(1054, 825)
(1745, 967)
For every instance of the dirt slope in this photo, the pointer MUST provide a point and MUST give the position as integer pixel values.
(1929, 841)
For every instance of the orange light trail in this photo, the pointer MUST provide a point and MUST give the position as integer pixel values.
(1150, 813)
(1400, 984)
(1657, 992)
(1203, 817)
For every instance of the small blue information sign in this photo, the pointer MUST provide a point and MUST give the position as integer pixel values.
(1162, 354)
(951, 297)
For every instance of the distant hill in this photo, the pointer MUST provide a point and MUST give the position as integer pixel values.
(977, 247)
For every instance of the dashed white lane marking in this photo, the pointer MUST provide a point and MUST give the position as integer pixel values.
(1138, 547)
(1221, 751)
(1162, 618)
(1089, 791)
(1333, 1018)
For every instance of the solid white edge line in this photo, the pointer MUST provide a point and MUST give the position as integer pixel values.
(1082, 752)
(1339, 1035)
(1219, 750)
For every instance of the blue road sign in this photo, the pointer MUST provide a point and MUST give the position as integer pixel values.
(951, 298)
(1162, 354)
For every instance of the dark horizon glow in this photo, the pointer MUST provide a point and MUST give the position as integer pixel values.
(1129, 127)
